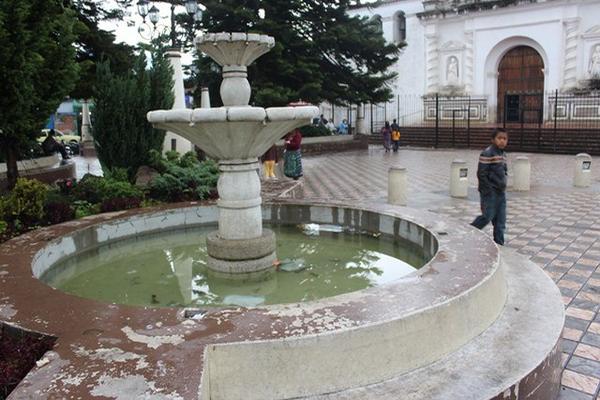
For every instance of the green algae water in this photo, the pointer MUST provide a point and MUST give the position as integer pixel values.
(169, 269)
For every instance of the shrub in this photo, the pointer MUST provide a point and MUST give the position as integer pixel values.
(196, 182)
(25, 203)
(85, 209)
(96, 189)
(57, 208)
(189, 159)
(157, 161)
(314, 130)
(89, 189)
(58, 212)
(172, 156)
(117, 174)
(66, 186)
(111, 189)
(3, 227)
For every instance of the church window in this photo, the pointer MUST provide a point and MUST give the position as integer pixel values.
(399, 27)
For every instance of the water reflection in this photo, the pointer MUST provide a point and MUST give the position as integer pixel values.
(170, 270)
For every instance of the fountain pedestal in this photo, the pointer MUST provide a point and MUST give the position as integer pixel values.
(241, 245)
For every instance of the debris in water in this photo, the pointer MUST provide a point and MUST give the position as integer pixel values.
(314, 229)
(295, 265)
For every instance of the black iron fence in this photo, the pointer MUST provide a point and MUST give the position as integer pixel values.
(544, 122)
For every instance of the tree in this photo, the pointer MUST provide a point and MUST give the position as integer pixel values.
(95, 44)
(122, 133)
(321, 52)
(37, 70)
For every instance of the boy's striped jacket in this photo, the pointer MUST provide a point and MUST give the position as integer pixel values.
(492, 171)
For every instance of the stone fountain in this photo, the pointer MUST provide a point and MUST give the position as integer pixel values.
(236, 135)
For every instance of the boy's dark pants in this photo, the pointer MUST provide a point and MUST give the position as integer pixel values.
(396, 145)
(493, 208)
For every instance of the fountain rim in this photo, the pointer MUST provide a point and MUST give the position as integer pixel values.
(462, 287)
(218, 38)
(22, 252)
(233, 114)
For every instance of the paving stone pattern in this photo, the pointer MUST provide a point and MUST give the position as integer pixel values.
(556, 225)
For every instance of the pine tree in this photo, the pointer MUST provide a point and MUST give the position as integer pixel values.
(321, 52)
(95, 44)
(37, 70)
(122, 133)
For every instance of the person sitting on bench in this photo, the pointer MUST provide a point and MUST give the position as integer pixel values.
(51, 146)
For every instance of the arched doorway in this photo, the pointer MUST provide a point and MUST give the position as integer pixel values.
(521, 86)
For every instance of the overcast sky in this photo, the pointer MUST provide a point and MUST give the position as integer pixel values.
(127, 31)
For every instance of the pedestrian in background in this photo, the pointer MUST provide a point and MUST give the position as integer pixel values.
(386, 134)
(292, 167)
(492, 176)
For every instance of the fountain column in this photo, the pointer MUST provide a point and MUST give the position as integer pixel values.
(240, 245)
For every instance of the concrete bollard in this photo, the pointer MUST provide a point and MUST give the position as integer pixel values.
(522, 177)
(583, 170)
(459, 179)
(397, 186)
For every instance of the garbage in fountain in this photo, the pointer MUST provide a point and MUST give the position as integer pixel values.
(236, 135)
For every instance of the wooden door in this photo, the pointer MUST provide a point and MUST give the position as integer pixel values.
(521, 86)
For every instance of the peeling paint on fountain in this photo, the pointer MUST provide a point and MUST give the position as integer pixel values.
(236, 134)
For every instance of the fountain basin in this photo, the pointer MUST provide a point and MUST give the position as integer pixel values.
(340, 344)
(233, 133)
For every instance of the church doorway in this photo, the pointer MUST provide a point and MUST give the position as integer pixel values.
(521, 86)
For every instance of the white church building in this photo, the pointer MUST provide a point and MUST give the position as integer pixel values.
(492, 50)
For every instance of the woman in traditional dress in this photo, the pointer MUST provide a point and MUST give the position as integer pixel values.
(386, 134)
(292, 156)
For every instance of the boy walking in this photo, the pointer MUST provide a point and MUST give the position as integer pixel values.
(492, 175)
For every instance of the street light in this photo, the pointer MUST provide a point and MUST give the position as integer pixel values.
(154, 15)
(191, 7)
(142, 6)
(198, 15)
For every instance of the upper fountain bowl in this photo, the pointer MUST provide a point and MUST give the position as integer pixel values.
(240, 49)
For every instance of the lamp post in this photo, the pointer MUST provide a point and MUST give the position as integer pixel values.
(173, 141)
(153, 13)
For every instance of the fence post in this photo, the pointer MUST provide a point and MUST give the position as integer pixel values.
(469, 123)
(522, 113)
(555, 120)
(398, 109)
(539, 136)
(437, 119)
(504, 110)
(371, 118)
(385, 112)
(453, 127)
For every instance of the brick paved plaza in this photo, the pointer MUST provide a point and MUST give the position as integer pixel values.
(556, 225)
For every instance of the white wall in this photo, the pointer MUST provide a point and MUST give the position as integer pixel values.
(563, 32)
(410, 65)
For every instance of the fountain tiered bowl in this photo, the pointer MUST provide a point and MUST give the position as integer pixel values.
(236, 135)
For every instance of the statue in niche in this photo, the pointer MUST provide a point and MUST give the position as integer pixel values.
(452, 71)
(594, 68)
